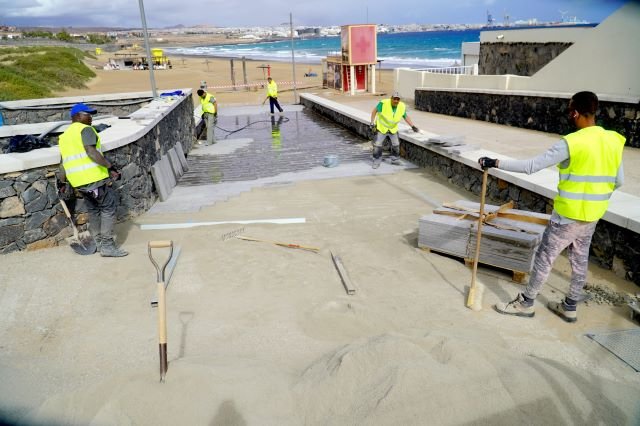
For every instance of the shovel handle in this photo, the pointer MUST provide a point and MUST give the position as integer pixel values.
(160, 244)
(65, 208)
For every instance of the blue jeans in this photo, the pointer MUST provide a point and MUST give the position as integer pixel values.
(274, 102)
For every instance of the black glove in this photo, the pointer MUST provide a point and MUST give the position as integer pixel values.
(100, 127)
(215, 114)
(487, 163)
(65, 190)
(415, 129)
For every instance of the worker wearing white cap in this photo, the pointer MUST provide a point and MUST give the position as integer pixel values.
(385, 118)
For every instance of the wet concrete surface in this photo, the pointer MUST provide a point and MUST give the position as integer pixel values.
(292, 142)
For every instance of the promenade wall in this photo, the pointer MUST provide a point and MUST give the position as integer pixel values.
(546, 112)
(30, 214)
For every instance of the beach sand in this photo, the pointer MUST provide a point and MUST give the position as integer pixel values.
(188, 72)
(265, 335)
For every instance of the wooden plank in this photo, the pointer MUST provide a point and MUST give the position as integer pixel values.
(346, 281)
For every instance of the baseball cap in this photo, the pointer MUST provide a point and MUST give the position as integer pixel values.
(81, 108)
(396, 94)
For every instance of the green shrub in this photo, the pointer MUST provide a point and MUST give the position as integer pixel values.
(35, 72)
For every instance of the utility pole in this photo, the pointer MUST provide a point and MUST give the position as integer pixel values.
(148, 49)
(293, 59)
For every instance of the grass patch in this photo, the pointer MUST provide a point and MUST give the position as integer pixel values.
(36, 72)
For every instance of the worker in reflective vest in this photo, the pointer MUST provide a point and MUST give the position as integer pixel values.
(208, 102)
(89, 172)
(590, 165)
(272, 95)
(385, 118)
(209, 113)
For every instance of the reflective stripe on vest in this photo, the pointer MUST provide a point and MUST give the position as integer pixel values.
(587, 183)
(207, 105)
(387, 120)
(272, 89)
(79, 168)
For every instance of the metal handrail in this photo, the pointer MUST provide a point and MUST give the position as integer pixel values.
(464, 70)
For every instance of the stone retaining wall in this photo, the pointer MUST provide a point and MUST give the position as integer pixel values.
(30, 215)
(517, 58)
(612, 247)
(530, 112)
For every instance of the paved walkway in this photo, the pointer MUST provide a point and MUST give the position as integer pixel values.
(510, 141)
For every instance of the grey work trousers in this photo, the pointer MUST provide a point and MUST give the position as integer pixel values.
(210, 121)
(395, 145)
(576, 238)
(101, 206)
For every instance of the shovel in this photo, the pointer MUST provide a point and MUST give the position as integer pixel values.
(85, 246)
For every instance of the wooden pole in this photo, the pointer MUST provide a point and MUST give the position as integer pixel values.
(233, 75)
(244, 73)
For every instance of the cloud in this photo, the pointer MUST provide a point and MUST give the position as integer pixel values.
(223, 13)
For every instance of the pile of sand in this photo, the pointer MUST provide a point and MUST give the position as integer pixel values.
(386, 379)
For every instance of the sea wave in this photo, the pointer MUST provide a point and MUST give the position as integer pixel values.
(301, 56)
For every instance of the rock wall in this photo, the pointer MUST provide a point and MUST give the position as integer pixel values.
(517, 58)
(529, 112)
(30, 214)
(612, 247)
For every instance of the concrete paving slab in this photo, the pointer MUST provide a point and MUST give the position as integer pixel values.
(176, 165)
(181, 157)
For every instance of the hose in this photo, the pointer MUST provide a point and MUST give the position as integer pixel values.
(230, 132)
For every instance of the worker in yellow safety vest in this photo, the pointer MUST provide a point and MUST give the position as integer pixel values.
(384, 120)
(86, 169)
(209, 113)
(590, 166)
(272, 95)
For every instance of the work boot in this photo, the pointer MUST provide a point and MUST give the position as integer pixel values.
(108, 248)
(376, 163)
(566, 311)
(396, 161)
(98, 239)
(519, 307)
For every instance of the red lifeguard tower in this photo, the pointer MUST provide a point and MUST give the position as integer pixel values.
(353, 68)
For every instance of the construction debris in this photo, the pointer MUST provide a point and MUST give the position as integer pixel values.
(288, 245)
(346, 281)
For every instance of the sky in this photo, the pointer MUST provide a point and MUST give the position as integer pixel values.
(245, 13)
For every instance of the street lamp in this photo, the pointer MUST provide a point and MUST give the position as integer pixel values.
(148, 49)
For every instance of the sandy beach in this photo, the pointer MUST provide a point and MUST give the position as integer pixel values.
(260, 334)
(188, 72)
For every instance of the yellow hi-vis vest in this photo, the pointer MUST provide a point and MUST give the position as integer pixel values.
(272, 89)
(595, 154)
(207, 105)
(78, 166)
(387, 120)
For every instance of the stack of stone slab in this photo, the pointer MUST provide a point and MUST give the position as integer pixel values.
(167, 171)
(508, 241)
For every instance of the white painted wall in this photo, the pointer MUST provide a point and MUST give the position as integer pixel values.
(606, 60)
(470, 52)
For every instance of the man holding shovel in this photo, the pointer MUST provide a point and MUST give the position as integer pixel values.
(88, 171)
(590, 166)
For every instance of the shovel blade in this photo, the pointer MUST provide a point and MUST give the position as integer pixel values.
(83, 246)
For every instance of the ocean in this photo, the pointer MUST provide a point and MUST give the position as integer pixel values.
(411, 50)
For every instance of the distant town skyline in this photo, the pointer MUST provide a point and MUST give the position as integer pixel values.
(166, 13)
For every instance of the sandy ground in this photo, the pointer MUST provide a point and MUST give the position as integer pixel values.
(265, 335)
(188, 72)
